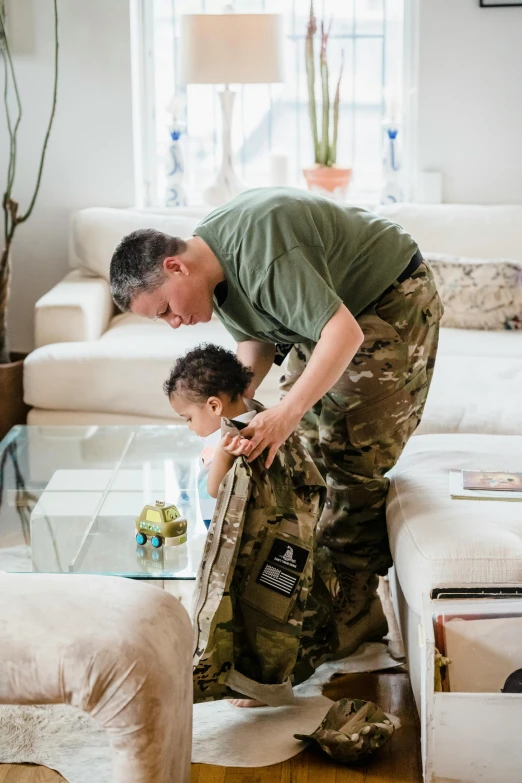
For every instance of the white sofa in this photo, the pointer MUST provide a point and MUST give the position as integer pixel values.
(93, 365)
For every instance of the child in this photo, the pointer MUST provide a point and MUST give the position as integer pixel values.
(263, 616)
(205, 385)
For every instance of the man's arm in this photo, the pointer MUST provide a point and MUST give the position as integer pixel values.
(259, 356)
(340, 339)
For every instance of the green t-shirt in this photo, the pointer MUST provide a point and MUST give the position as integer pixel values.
(291, 258)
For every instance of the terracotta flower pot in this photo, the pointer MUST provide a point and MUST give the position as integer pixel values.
(328, 180)
(13, 410)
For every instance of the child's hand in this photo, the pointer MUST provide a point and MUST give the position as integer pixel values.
(236, 446)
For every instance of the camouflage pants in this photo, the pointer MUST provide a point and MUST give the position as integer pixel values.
(357, 431)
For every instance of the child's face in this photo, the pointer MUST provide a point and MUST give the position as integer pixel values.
(203, 418)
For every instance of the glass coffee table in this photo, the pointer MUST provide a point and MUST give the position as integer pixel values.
(70, 495)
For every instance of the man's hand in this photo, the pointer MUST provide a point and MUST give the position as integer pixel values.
(268, 430)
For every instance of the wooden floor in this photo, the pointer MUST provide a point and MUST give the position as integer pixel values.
(398, 762)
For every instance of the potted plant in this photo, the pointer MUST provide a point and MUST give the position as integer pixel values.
(12, 408)
(325, 176)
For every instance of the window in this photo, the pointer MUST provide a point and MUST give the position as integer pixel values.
(272, 120)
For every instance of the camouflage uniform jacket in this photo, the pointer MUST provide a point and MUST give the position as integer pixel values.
(263, 617)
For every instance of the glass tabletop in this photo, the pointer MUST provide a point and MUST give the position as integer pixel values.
(70, 496)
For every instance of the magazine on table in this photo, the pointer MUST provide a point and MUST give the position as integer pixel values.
(492, 480)
(485, 485)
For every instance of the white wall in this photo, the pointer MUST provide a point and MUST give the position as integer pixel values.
(470, 100)
(90, 155)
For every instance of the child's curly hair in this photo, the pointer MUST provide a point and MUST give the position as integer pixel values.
(207, 371)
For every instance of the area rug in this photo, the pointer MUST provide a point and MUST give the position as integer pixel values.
(72, 743)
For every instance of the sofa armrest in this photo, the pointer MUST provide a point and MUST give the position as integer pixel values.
(77, 309)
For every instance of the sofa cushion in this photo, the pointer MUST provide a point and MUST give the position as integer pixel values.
(438, 541)
(474, 394)
(122, 372)
(107, 375)
(478, 294)
(475, 231)
(95, 232)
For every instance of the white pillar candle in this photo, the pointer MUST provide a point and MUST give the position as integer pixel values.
(279, 169)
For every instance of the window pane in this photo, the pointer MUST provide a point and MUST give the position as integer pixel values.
(366, 35)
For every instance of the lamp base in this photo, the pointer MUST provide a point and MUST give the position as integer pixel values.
(227, 184)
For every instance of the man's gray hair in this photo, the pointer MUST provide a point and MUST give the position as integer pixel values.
(137, 264)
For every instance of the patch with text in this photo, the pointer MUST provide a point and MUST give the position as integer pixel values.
(288, 555)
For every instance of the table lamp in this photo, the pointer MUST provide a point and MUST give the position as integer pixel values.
(229, 49)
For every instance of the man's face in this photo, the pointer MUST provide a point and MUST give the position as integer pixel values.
(184, 299)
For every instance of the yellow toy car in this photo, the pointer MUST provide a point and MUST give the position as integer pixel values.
(163, 524)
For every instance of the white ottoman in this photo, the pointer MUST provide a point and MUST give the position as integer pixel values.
(439, 542)
(114, 648)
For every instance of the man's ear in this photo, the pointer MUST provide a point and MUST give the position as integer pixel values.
(215, 405)
(175, 264)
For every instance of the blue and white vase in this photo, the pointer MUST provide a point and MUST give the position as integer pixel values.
(391, 190)
(175, 193)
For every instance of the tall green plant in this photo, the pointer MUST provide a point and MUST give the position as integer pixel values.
(13, 216)
(325, 143)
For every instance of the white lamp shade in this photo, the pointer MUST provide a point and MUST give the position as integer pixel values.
(231, 48)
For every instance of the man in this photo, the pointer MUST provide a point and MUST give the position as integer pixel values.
(351, 295)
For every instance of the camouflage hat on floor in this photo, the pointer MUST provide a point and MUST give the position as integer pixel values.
(351, 730)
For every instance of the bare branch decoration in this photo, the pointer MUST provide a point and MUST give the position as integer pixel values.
(10, 206)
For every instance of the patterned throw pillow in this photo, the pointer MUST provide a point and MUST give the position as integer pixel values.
(478, 293)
